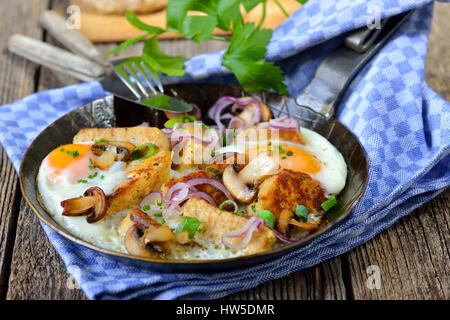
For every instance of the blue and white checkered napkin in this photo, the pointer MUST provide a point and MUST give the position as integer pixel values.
(403, 125)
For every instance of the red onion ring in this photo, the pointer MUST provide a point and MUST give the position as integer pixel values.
(282, 237)
(284, 123)
(203, 195)
(250, 102)
(178, 192)
(214, 182)
(251, 226)
(215, 111)
(149, 200)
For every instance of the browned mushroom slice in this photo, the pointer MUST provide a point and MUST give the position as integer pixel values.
(154, 232)
(158, 234)
(135, 245)
(105, 160)
(283, 220)
(310, 226)
(238, 188)
(93, 203)
(110, 151)
(243, 185)
(248, 112)
(182, 237)
(145, 237)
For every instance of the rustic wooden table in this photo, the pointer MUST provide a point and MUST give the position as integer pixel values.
(413, 254)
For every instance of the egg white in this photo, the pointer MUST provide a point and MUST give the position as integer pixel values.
(333, 169)
(103, 233)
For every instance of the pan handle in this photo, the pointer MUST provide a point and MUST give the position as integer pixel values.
(335, 73)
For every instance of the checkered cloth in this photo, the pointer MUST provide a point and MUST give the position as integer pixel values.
(403, 125)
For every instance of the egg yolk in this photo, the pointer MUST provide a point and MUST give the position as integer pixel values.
(299, 160)
(72, 161)
(291, 158)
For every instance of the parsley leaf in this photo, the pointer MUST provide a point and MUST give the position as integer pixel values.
(131, 17)
(245, 58)
(159, 61)
(250, 4)
(199, 28)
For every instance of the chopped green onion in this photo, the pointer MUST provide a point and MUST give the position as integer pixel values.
(156, 164)
(301, 212)
(290, 153)
(146, 207)
(281, 150)
(330, 203)
(236, 208)
(182, 119)
(268, 217)
(102, 177)
(189, 224)
(100, 140)
(163, 221)
(74, 154)
(144, 151)
(159, 214)
(62, 149)
(212, 170)
(82, 181)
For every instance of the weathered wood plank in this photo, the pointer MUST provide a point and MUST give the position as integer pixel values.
(413, 254)
(322, 282)
(437, 72)
(37, 271)
(16, 81)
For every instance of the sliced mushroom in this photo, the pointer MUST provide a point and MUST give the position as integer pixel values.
(135, 245)
(283, 220)
(146, 235)
(158, 234)
(93, 203)
(310, 226)
(248, 113)
(110, 151)
(105, 160)
(243, 185)
(182, 237)
(259, 169)
(124, 149)
(240, 190)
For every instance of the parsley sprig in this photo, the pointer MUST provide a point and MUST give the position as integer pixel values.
(244, 56)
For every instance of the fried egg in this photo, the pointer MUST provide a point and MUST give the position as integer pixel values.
(317, 157)
(67, 172)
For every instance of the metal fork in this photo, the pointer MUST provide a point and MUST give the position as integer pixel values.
(146, 85)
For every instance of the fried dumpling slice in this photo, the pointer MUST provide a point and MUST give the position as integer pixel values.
(143, 176)
(215, 223)
(135, 135)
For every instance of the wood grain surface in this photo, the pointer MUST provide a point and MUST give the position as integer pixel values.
(413, 254)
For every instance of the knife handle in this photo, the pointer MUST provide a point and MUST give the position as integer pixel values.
(55, 58)
(72, 39)
(334, 74)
